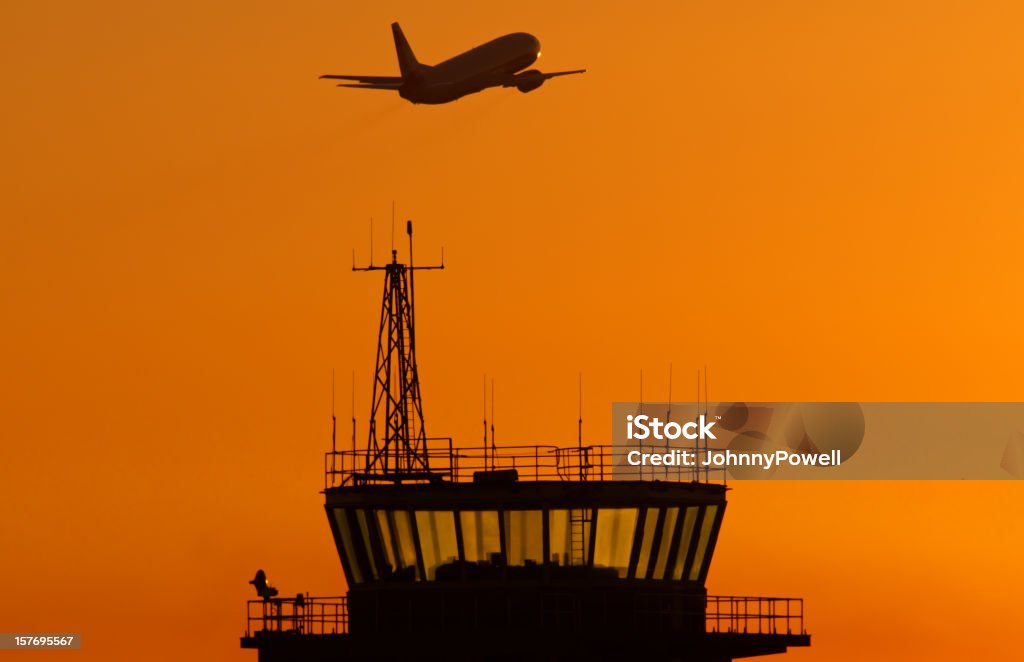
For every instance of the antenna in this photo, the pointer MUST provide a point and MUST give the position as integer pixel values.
(641, 390)
(412, 286)
(353, 413)
(579, 429)
(668, 414)
(579, 432)
(698, 391)
(494, 448)
(696, 418)
(334, 428)
(485, 419)
(707, 470)
(705, 391)
(639, 444)
(392, 226)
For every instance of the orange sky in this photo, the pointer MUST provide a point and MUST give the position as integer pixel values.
(819, 200)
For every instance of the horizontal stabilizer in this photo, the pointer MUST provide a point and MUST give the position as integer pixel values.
(386, 80)
(372, 86)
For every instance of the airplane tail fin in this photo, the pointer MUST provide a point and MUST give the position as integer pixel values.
(407, 62)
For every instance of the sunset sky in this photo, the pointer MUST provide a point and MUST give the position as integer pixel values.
(817, 200)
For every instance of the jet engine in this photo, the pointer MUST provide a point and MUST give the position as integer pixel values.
(529, 80)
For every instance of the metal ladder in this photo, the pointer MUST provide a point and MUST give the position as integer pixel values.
(579, 526)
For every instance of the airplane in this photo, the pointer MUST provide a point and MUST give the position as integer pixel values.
(498, 63)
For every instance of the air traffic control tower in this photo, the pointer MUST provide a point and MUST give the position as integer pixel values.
(508, 552)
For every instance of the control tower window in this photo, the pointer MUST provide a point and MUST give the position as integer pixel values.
(437, 539)
(396, 539)
(481, 538)
(647, 542)
(614, 538)
(348, 547)
(706, 528)
(685, 538)
(362, 517)
(668, 534)
(524, 536)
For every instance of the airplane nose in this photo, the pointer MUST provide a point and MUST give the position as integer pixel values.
(535, 44)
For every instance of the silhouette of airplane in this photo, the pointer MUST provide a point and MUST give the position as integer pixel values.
(494, 64)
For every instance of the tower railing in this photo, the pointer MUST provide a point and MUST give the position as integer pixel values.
(535, 462)
(304, 615)
(299, 615)
(754, 615)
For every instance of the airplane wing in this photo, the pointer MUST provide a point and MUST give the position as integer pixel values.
(533, 78)
(563, 73)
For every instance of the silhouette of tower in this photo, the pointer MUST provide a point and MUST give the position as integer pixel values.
(509, 553)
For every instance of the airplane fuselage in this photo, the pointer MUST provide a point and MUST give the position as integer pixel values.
(485, 66)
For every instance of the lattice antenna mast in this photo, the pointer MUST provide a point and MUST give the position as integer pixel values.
(397, 440)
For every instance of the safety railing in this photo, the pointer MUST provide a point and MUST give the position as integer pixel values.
(754, 615)
(299, 615)
(723, 614)
(442, 461)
